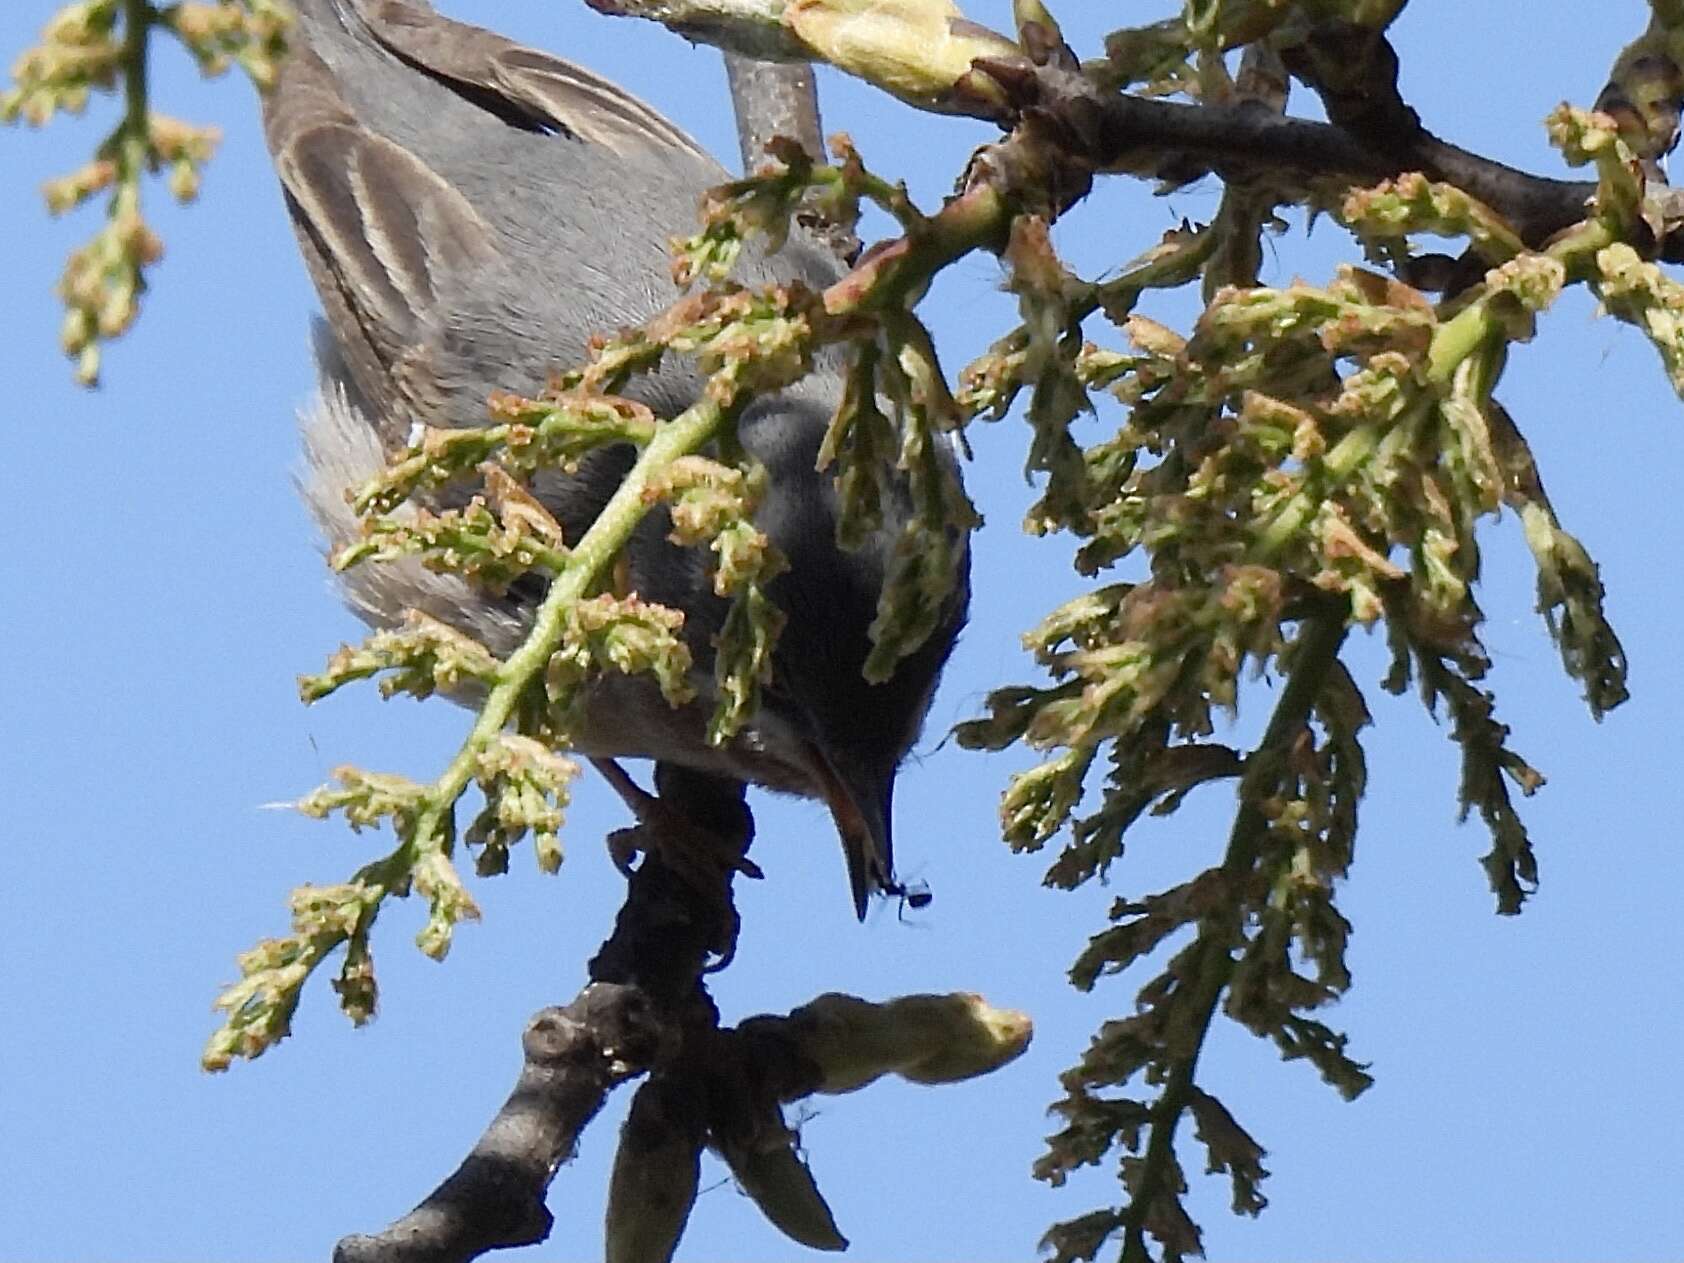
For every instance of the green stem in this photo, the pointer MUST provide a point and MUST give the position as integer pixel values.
(1463, 335)
(1348, 455)
(890, 198)
(1317, 648)
(1457, 338)
(596, 549)
(976, 219)
(133, 146)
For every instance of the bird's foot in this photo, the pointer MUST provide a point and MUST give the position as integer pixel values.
(689, 854)
(696, 853)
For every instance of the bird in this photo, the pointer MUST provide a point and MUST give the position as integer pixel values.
(471, 211)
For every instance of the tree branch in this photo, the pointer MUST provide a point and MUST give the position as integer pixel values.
(773, 99)
(645, 990)
(574, 1057)
(646, 1009)
(1317, 650)
(1111, 131)
(956, 67)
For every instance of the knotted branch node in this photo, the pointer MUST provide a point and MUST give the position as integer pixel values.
(646, 1012)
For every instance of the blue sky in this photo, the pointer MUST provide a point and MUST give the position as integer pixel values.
(161, 590)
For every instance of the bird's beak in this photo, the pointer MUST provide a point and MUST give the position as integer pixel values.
(859, 801)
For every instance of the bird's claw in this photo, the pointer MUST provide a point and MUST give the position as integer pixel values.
(700, 856)
(697, 855)
(623, 847)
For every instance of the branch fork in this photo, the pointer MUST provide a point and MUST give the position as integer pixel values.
(646, 1011)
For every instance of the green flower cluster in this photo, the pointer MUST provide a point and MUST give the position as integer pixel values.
(103, 46)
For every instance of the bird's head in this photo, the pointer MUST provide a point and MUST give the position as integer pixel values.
(847, 734)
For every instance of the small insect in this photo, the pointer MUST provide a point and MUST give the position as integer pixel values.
(917, 896)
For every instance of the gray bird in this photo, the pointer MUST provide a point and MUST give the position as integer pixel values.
(471, 211)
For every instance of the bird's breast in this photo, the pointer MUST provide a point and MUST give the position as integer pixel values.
(625, 716)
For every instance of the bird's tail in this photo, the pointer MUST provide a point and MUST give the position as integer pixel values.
(342, 452)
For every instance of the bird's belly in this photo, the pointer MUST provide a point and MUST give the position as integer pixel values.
(625, 717)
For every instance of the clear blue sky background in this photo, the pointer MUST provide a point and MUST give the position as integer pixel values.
(161, 589)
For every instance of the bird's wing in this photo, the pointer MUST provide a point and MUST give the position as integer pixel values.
(524, 85)
(381, 112)
(379, 229)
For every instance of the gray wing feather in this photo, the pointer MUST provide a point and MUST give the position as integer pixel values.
(536, 87)
(476, 194)
(590, 106)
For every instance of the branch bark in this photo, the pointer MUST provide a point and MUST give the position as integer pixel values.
(574, 1056)
(1111, 131)
(1374, 134)
(646, 1009)
(773, 99)
(645, 1001)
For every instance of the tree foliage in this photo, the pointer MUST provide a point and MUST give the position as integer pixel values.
(1301, 461)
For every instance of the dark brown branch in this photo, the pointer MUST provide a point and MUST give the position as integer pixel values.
(1110, 131)
(574, 1057)
(646, 1009)
(1374, 136)
(645, 1001)
(678, 911)
(1354, 70)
